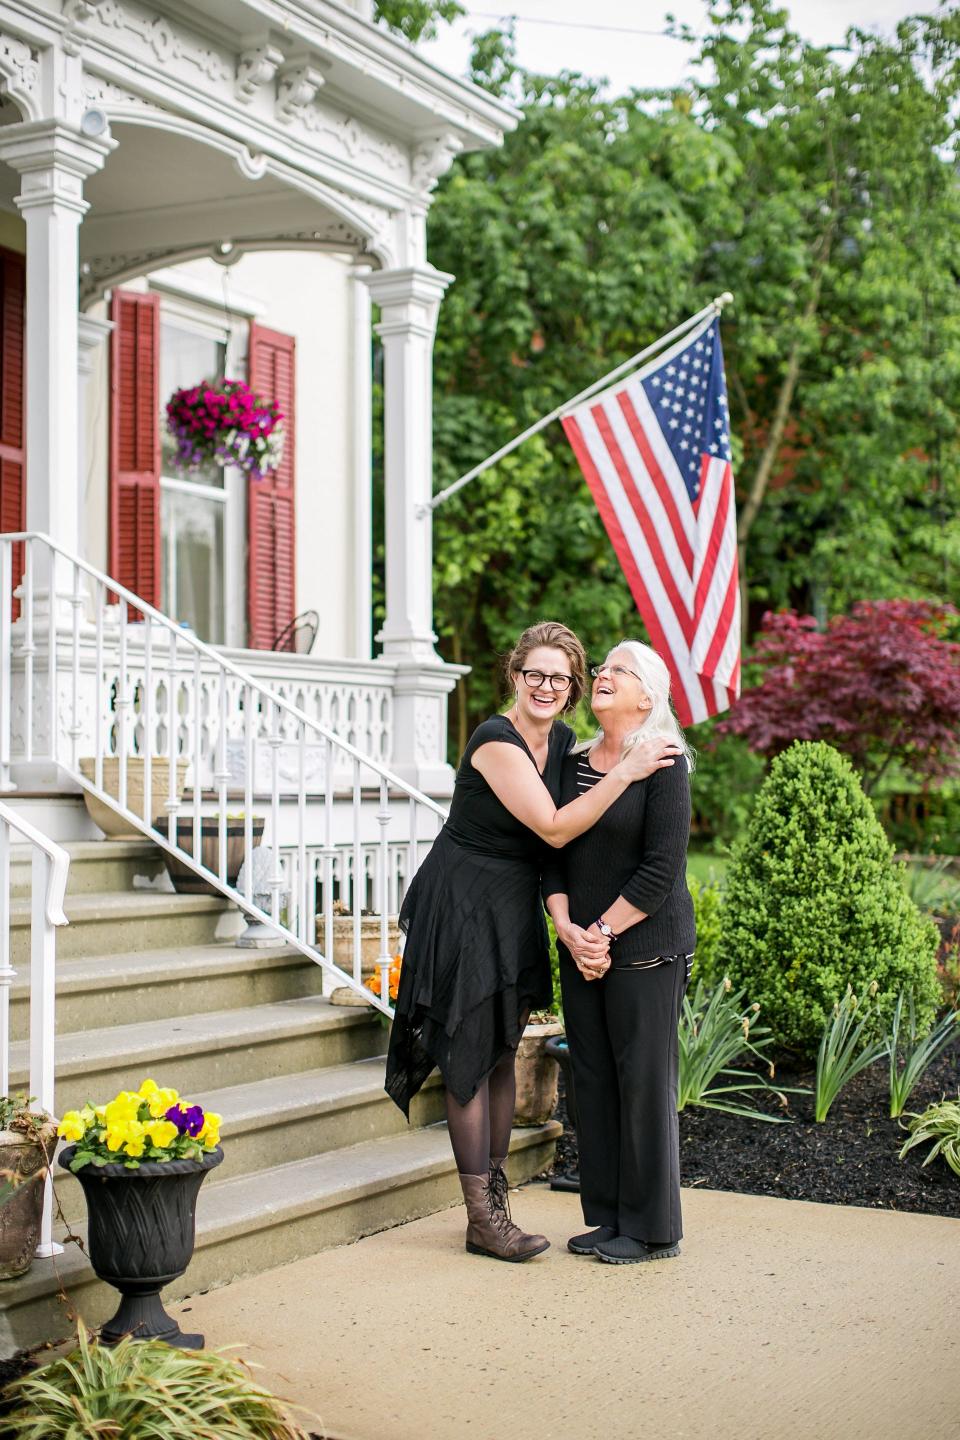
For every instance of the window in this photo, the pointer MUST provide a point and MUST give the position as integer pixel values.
(194, 504)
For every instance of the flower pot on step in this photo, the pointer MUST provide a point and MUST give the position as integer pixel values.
(23, 1164)
(187, 881)
(537, 1075)
(114, 826)
(140, 1237)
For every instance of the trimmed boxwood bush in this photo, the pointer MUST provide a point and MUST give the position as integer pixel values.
(814, 903)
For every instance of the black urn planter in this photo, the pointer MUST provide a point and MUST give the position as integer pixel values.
(140, 1237)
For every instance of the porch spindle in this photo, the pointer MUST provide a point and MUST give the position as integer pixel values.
(383, 819)
(276, 883)
(52, 721)
(356, 894)
(6, 668)
(43, 943)
(300, 887)
(328, 850)
(221, 778)
(173, 803)
(76, 601)
(197, 820)
(26, 650)
(248, 751)
(99, 689)
(120, 705)
(149, 818)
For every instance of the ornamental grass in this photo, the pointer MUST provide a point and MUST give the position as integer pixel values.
(144, 1390)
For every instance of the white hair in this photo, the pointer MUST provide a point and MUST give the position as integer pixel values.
(661, 723)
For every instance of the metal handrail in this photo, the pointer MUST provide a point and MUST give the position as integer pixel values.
(50, 866)
(269, 701)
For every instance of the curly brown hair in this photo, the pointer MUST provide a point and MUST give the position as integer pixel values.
(560, 637)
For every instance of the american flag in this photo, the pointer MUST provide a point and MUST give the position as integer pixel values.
(655, 452)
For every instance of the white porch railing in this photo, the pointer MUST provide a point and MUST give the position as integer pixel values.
(48, 883)
(339, 825)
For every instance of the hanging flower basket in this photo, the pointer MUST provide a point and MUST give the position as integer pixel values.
(223, 421)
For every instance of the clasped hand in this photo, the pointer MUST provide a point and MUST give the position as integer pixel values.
(590, 950)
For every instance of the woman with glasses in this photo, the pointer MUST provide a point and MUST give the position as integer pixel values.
(623, 881)
(476, 958)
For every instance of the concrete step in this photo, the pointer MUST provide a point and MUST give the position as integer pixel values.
(205, 1052)
(254, 1222)
(155, 984)
(116, 923)
(293, 1117)
(96, 866)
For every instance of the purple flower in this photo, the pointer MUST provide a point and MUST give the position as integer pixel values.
(189, 1120)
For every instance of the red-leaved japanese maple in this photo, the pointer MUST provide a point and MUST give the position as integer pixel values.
(881, 684)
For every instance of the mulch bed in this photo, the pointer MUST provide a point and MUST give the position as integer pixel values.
(851, 1159)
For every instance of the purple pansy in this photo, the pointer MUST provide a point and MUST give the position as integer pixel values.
(188, 1119)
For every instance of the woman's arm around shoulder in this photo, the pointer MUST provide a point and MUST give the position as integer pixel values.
(517, 784)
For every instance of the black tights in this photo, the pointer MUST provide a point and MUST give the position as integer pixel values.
(481, 1128)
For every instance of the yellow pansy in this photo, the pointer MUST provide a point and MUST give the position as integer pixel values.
(88, 1115)
(72, 1127)
(134, 1148)
(210, 1130)
(160, 1132)
(124, 1132)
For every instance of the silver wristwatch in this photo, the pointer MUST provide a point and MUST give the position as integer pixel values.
(605, 929)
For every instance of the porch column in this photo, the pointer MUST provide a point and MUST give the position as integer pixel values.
(53, 160)
(409, 301)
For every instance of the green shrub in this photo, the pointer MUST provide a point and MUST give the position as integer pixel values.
(707, 903)
(814, 903)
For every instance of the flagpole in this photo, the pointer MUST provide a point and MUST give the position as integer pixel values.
(714, 308)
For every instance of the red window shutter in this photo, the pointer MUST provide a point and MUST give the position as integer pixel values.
(135, 444)
(13, 493)
(271, 577)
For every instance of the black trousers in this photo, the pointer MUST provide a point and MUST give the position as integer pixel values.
(622, 1033)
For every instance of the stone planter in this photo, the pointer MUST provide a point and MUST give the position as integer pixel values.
(537, 1075)
(21, 1212)
(140, 1237)
(115, 827)
(187, 881)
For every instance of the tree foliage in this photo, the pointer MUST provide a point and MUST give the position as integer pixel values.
(820, 188)
(416, 19)
(881, 684)
(814, 903)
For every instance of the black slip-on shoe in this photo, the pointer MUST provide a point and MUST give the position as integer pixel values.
(587, 1244)
(624, 1250)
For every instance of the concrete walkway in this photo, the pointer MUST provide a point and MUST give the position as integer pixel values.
(780, 1321)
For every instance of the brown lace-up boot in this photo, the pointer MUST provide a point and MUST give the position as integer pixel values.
(490, 1231)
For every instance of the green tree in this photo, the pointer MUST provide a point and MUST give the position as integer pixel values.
(813, 903)
(416, 19)
(820, 187)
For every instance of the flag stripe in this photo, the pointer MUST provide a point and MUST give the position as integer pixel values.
(659, 480)
(681, 606)
(655, 452)
(687, 712)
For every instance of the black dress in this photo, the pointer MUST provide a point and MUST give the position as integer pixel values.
(476, 955)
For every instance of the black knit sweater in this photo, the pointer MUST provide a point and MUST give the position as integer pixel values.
(637, 849)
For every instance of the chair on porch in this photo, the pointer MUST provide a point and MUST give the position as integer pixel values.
(299, 636)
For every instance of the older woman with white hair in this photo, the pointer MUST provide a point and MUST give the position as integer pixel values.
(625, 926)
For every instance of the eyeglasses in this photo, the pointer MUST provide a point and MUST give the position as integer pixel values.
(533, 679)
(616, 670)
